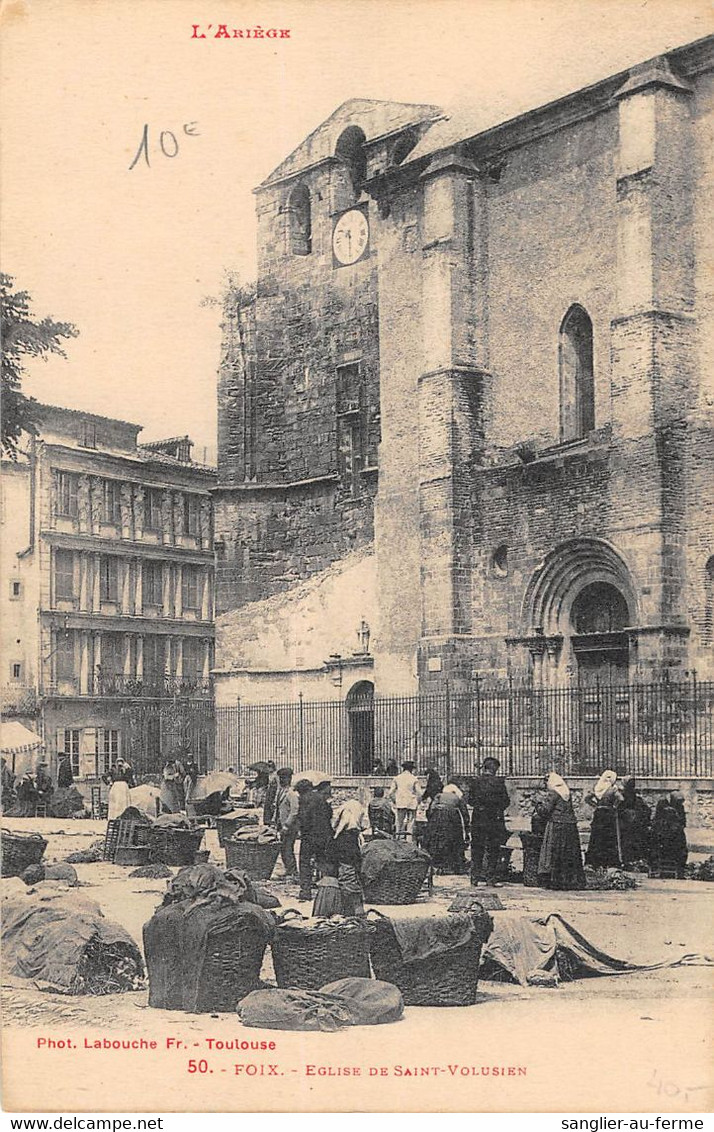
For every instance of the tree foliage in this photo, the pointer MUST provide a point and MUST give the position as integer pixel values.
(23, 337)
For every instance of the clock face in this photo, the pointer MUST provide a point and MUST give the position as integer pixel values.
(350, 236)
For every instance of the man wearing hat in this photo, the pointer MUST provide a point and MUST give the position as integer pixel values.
(405, 795)
(315, 825)
(490, 801)
(286, 819)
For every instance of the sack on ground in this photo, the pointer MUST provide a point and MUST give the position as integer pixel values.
(373, 1001)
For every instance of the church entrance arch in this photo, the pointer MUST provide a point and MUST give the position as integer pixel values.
(360, 715)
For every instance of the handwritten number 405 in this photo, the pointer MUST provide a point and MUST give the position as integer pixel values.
(168, 143)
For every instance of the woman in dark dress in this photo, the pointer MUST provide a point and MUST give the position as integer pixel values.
(560, 864)
(345, 855)
(668, 841)
(634, 816)
(605, 848)
(446, 832)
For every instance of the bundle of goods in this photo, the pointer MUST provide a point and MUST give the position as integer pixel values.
(393, 872)
(173, 842)
(66, 801)
(204, 946)
(434, 960)
(484, 902)
(255, 849)
(704, 870)
(531, 843)
(608, 880)
(153, 872)
(232, 822)
(347, 1002)
(89, 856)
(63, 943)
(19, 851)
(35, 874)
(307, 953)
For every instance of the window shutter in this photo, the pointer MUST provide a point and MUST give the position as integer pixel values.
(88, 752)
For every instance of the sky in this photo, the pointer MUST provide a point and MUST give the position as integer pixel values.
(133, 256)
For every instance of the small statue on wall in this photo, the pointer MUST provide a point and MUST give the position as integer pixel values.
(125, 505)
(96, 498)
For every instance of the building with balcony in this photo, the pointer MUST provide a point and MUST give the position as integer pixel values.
(107, 588)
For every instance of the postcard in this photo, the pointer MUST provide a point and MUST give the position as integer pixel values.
(357, 562)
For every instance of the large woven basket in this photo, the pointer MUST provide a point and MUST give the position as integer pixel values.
(398, 883)
(449, 979)
(253, 857)
(531, 843)
(307, 959)
(124, 835)
(174, 846)
(19, 851)
(226, 827)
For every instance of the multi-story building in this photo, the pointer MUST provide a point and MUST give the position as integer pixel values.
(108, 590)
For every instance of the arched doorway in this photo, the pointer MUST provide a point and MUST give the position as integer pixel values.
(599, 616)
(360, 715)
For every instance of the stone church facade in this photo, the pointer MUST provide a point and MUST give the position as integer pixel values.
(465, 415)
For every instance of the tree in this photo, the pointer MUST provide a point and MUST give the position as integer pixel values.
(23, 337)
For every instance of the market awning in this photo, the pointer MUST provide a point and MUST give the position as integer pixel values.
(15, 739)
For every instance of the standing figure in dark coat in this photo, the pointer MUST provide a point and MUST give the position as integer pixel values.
(271, 794)
(635, 816)
(560, 864)
(26, 796)
(315, 825)
(434, 785)
(668, 841)
(490, 801)
(605, 847)
(446, 834)
(7, 786)
(65, 778)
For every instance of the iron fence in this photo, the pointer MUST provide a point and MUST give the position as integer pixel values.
(662, 729)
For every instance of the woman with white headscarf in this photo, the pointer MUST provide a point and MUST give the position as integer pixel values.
(447, 831)
(605, 847)
(345, 854)
(560, 864)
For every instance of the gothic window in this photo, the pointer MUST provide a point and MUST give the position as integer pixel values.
(577, 392)
(350, 150)
(300, 220)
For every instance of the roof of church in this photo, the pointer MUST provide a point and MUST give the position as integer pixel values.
(375, 117)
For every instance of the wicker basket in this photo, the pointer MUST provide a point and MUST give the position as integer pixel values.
(306, 958)
(253, 857)
(226, 827)
(449, 979)
(124, 835)
(19, 851)
(132, 855)
(398, 883)
(531, 843)
(174, 846)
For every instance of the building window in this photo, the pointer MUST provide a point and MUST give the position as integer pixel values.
(154, 659)
(192, 660)
(350, 426)
(350, 150)
(107, 749)
(154, 510)
(113, 650)
(64, 658)
(577, 389)
(108, 578)
(111, 502)
(17, 671)
(67, 493)
(15, 590)
(68, 744)
(191, 515)
(152, 583)
(300, 221)
(190, 588)
(89, 434)
(64, 575)
(499, 561)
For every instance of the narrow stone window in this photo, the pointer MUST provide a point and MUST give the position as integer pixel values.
(350, 150)
(577, 390)
(300, 221)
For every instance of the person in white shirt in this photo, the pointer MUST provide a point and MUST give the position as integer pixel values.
(405, 794)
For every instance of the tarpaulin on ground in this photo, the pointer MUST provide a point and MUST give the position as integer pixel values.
(376, 855)
(527, 947)
(347, 1002)
(63, 942)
